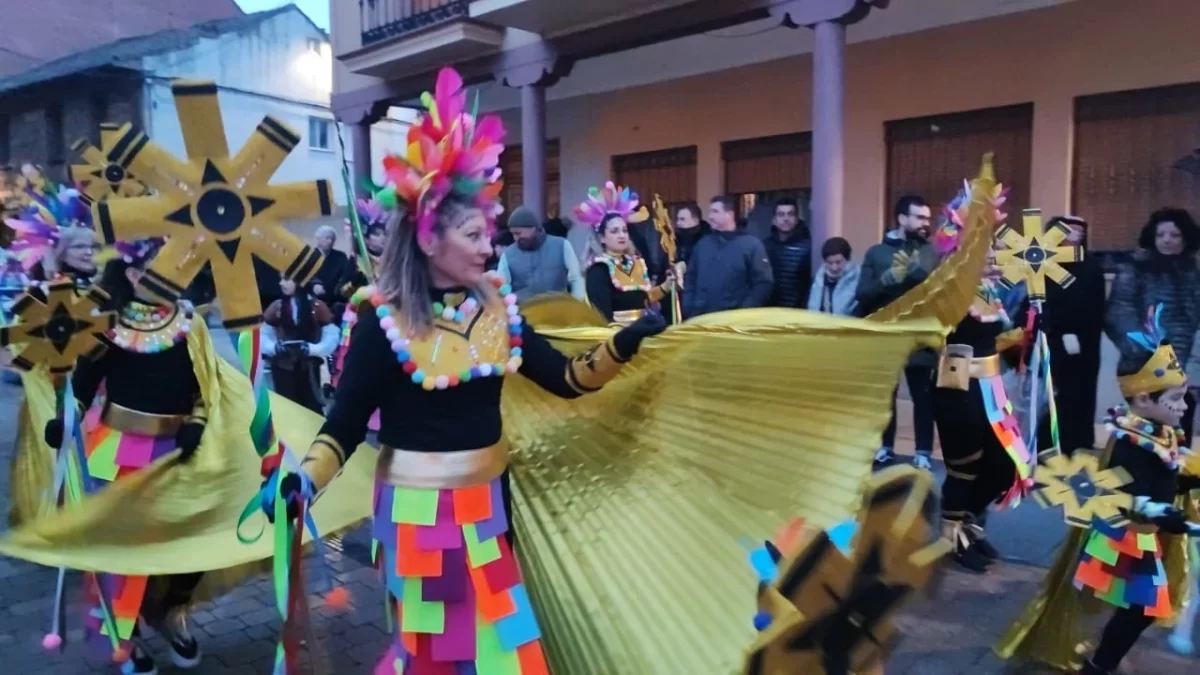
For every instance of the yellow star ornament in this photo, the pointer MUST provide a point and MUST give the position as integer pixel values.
(831, 610)
(215, 210)
(56, 325)
(103, 176)
(1036, 254)
(1085, 492)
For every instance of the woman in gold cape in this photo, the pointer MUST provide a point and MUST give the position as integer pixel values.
(629, 504)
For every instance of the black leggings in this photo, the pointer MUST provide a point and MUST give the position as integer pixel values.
(177, 592)
(978, 469)
(1120, 634)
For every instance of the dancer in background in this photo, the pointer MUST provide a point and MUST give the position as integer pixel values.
(153, 405)
(297, 336)
(986, 458)
(618, 280)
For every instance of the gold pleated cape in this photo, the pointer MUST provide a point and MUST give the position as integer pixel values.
(171, 518)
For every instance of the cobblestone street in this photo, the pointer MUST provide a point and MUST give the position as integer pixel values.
(948, 634)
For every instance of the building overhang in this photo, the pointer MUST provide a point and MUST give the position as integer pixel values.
(552, 17)
(420, 51)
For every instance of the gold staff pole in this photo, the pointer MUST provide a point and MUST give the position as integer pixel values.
(666, 237)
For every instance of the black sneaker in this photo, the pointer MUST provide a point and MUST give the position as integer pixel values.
(142, 662)
(185, 651)
(965, 554)
(980, 543)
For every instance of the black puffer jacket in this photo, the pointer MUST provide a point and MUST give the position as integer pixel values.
(1151, 279)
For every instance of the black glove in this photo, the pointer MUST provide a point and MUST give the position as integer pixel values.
(1185, 484)
(54, 433)
(188, 439)
(291, 491)
(1173, 521)
(629, 338)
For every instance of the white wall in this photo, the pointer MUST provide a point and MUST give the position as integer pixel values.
(271, 70)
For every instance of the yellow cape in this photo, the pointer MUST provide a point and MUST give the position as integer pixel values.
(170, 518)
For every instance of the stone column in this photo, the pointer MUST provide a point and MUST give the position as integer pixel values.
(533, 148)
(360, 139)
(828, 114)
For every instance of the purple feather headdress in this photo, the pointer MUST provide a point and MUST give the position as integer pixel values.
(611, 199)
(139, 251)
(948, 235)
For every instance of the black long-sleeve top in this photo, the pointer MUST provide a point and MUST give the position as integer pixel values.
(463, 417)
(159, 383)
(979, 335)
(1151, 476)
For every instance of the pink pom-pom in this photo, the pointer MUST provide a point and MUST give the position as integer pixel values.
(52, 641)
(387, 323)
(120, 655)
(510, 299)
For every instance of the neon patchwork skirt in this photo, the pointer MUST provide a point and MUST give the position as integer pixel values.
(460, 605)
(115, 600)
(1124, 568)
(1008, 432)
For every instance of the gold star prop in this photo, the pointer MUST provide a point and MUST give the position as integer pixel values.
(666, 232)
(103, 175)
(56, 325)
(1036, 254)
(215, 210)
(1085, 492)
(831, 612)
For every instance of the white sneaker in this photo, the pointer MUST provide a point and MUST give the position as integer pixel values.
(885, 456)
(922, 462)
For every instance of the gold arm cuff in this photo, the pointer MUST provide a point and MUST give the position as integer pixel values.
(1009, 339)
(441, 470)
(130, 421)
(333, 444)
(321, 464)
(657, 293)
(627, 316)
(590, 371)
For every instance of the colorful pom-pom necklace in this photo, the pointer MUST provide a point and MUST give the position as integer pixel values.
(457, 314)
(1159, 439)
(149, 329)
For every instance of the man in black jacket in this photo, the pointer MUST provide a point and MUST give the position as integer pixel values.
(1073, 319)
(889, 270)
(324, 284)
(727, 269)
(789, 248)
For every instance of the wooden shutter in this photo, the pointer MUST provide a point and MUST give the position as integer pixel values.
(670, 173)
(513, 172)
(930, 156)
(768, 164)
(1126, 146)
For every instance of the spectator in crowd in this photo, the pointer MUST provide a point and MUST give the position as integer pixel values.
(1073, 320)
(501, 240)
(333, 268)
(835, 288)
(889, 269)
(689, 227)
(1163, 271)
(539, 263)
(789, 248)
(728, 268)
(298, 334)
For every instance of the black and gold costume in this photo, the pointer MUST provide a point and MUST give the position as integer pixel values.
(619, 287)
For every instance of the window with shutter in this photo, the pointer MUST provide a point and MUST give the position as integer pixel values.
(761, 171)
(514, 185)
(930, 156)
(1127, 148)
(669, 173)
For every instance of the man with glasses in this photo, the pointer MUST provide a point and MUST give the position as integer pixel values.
(904, 259)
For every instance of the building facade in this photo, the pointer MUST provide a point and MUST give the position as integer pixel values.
(269, 63)
(1088, 104)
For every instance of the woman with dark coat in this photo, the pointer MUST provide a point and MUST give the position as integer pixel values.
(1163, 271)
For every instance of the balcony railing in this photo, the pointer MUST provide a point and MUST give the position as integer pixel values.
(383, 19)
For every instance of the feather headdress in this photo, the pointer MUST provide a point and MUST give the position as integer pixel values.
(610, 199)
(38, 227)
(946, 237)
(450, 152)
(1161, 369)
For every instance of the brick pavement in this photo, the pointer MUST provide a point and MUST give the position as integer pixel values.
(948, 634)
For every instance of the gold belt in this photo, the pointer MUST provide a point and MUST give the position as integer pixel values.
(625, 317)
(958, 365)
(441, 470)
(129, 421)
